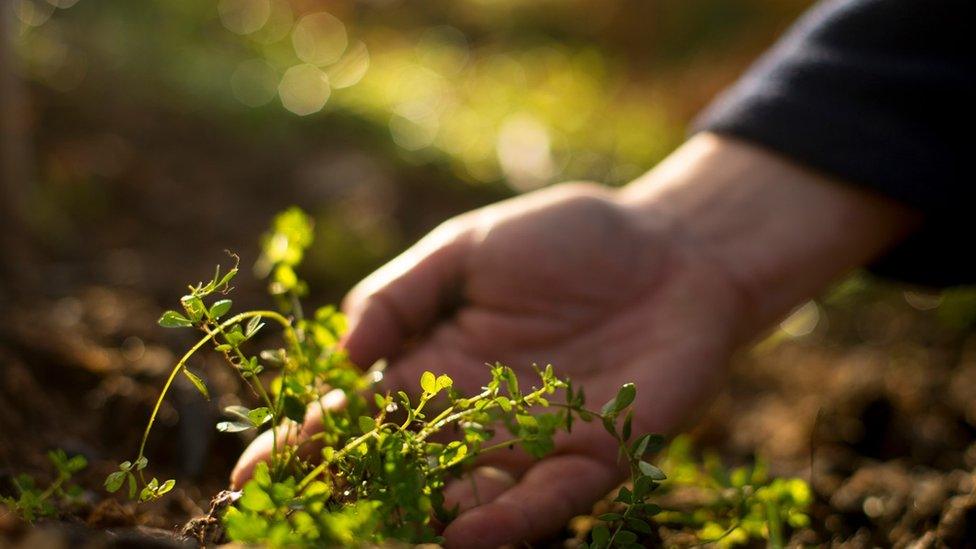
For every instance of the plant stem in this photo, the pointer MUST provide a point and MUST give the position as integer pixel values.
(256, 386)
(480, 451)
(444, 418)
(196, 347)
(52, 488)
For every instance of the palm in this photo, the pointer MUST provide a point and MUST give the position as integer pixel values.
(569, 281)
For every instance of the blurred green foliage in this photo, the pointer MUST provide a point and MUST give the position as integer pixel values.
(514, 90)
(735, 506)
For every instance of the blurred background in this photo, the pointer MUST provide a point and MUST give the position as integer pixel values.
(169, 129)
(141, 139)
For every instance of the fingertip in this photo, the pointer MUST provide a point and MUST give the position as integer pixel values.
(373, 333)
(480, 486)
(488, 526)
(257, 451)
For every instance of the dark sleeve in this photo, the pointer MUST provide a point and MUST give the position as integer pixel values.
(882, 94)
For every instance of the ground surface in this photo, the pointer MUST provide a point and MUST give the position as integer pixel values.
(880, 398)
(882, 401)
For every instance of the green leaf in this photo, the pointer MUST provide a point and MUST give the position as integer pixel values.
(639, 525)
(443, 382)
(512, 381)
(259, 416)
(76, 463)
(150, 490)
(610, 517)
(624, 495)
(283, 279)
(366, 424)
(235, 336)
(197, 382)
(245, 527)
(220, 308)
(645, 444)
(223, 282)
(234, 426)
(428, 382)
(193, 306)
(643, 485)
(651, 471)
(240, 412)
(504, 403)
(601, 534)
(293, 408)
(166, 487)
(114, 481)
(650, 509)
(253, 326)
(625, 537)
(625, 396)
(133, 486)
(255, 499)
(140, 463)
(173, 319)
(626, 429)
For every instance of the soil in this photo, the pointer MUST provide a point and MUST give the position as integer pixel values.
(876, 407)
(881, 424)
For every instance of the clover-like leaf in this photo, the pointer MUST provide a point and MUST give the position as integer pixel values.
(173, 319)
(166, 487)
(366, 424)
(428, 382)
(651, 471)
(114, 481)
(197, 382)
(443, 382)
(234, 426)
(624, 398)
(220, 308)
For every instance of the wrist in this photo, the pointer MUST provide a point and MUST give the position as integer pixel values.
(778, 232)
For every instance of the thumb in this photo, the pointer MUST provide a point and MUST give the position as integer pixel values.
(407, 295)
(288, 432)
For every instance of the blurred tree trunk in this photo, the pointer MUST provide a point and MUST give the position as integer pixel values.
(15, 157)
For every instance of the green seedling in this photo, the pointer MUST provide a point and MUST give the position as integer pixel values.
(738, 506)
(380, 473)
(625, 527)
(33, 502)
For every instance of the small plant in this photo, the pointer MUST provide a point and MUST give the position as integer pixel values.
(734, 507)
(33, 502)
(623, 528)
(379, 475)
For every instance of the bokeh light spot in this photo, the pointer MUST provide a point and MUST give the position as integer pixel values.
(33, 13)
(254, 82)
(279, 23)
(923, 301)
(524, 152)
(802, 321)
(304, 89)
(63, 4)
(351, 68)
(319, 38)
(244, 16)
(412, 134)
(443, 48)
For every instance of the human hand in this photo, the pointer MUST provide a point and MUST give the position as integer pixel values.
(609, 287)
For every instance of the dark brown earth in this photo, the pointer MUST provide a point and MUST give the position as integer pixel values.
(876, 407)
(882, 400)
